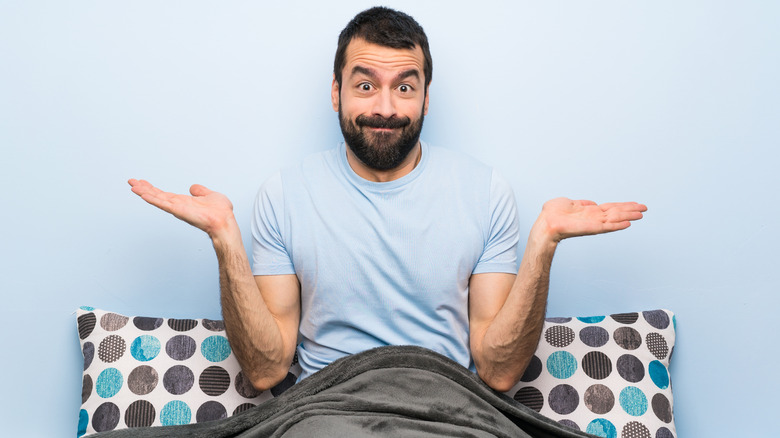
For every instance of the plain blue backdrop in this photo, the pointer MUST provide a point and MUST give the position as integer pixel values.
(673, 104)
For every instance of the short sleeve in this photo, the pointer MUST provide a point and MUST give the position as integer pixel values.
(500, 253)
(269, 253)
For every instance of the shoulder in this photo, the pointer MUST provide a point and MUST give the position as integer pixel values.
(458, 166)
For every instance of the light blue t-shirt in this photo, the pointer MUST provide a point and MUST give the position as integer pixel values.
(384, 263)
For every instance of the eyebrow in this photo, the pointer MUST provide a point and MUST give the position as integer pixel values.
(371, 73)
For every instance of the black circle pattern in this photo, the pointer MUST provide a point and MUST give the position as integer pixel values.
(559, 336)
(657, 345)
(531, 397)
(533, 370)
(86, 323)
(597, 365)
(635, 429)
(243, 407)
(214, 381)
(625, 318)
(140, 413)
(182, 325)
(111, 348)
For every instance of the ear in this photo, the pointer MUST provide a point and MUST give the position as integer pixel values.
(334, 94)
(427, 97)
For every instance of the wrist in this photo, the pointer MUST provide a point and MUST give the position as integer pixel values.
(225, 233)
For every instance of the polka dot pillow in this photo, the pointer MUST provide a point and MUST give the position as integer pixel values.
(141, 371)
(605, 375)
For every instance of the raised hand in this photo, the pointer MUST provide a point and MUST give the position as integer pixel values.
(563, 218)
(205, 209)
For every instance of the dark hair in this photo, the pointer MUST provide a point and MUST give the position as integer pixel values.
(385, 27)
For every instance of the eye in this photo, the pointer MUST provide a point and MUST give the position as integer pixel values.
(365, 86)
(403, 88)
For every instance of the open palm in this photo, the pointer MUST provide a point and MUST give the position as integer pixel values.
(204, 209)
(569, 218)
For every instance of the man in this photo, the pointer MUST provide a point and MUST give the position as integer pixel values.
(385, 240)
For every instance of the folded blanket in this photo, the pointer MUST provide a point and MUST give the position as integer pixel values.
(389, 391)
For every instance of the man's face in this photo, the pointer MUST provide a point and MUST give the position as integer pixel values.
(381, 102)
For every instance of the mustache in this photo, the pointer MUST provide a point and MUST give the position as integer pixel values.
(382, 122)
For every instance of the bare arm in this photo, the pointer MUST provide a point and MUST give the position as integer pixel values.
(261, 313)
(506, 312)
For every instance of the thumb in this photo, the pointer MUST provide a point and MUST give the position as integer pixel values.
(199, 190)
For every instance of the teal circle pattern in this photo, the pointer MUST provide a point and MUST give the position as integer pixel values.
(633, 401)
(83, 422)
(658, 374)
(175, 413)
(591, 319)
(145, 348)
(561, 364)
(215, 348)
(109, 382)
(601, 427)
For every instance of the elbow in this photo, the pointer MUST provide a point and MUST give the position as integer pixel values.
(263, 381)
(499, 383)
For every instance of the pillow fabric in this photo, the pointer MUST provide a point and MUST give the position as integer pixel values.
(142, 371)
(605, 375)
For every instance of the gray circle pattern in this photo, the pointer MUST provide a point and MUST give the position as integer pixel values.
(594, 336)
(181, 347)
(564, 399)
(662, 408)
(210, 411)
(627, 338)
(630, 368)
(599, 399)
(142, 380)
(106, 417)
(178, 379)
(112, 322)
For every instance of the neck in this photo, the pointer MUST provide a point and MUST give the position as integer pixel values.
(410, 162)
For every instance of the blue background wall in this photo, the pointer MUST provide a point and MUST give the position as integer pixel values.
(674, 104)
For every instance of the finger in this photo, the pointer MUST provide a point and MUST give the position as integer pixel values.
(584, 202)
(616, 226)
(621, 216)
(624, 206)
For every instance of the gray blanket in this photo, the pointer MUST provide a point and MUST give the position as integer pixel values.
(388, 391)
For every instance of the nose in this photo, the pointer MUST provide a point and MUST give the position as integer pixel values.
(383, 104)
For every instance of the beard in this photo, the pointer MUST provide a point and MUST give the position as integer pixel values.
(381, 150)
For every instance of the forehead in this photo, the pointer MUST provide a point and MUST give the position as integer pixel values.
(365, 54)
